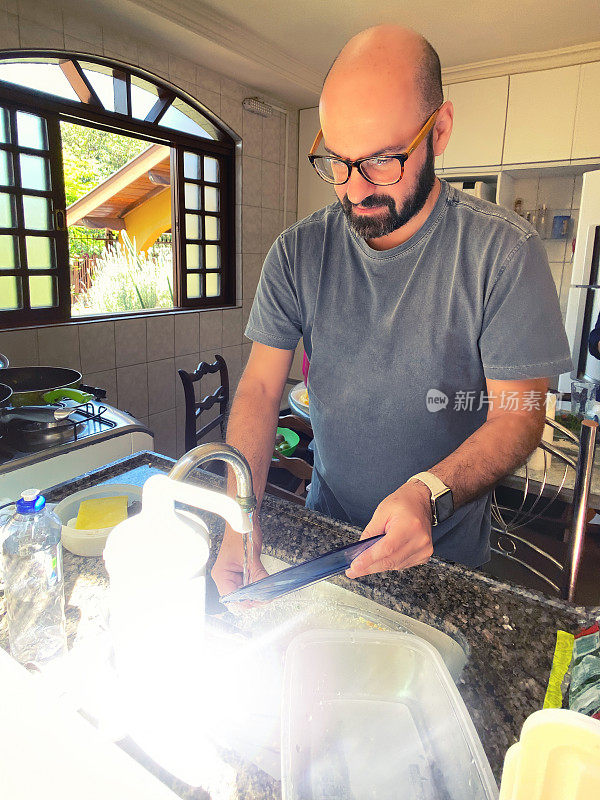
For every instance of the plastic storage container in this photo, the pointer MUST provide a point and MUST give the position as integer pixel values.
(556, 758)
(33, 581)
(90, 542)
(376, 715)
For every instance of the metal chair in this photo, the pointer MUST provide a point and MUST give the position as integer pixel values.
(194, 408)
(510, 544)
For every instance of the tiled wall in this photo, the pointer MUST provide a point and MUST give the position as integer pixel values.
(561, 195)
(136, 360)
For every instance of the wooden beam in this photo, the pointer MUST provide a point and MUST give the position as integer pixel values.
(119, 180)
(142, 200)
(122, 89)
(159, 108)
(80, 84)
(112, 223)
(157, 177)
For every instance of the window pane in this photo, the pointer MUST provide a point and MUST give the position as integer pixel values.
(211, 198)
(40, 252)
(191, 166)
(102, 84)
(211, 228)
(193, 195)
(143, 96)
(193, 285)
(213, 256)
(31, 131)
(182, 117)
(9, 293)
(4, 126)
(6, 173)
(8, 252)
(43, 77)
(211, 169)
(7, 211)
(42, 291)
(36, 212)
(193, 254)
(213, 284)
(193, 227)
(34, 172)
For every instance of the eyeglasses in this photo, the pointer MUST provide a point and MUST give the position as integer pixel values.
(378, 170)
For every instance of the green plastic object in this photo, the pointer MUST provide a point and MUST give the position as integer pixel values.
(291, 441)
(67, 394)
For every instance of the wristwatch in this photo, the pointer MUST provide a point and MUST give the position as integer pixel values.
(442, 502)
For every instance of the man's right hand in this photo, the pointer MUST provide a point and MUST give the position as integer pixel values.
(228, 569)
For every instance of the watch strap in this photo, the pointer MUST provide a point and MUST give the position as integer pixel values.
(433, 483)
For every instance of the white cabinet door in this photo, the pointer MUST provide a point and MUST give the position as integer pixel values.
(541, 115)
(586, 141)
(479, 117)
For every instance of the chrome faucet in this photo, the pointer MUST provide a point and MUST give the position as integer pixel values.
(219, 451)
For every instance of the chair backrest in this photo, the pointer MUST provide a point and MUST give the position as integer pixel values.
(194, 408)
(535, 504)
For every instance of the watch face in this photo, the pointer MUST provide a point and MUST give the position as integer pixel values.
(444, 505)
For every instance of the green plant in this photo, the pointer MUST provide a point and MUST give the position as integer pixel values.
(128, 281)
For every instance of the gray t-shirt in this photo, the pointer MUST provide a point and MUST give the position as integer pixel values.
(390, 334)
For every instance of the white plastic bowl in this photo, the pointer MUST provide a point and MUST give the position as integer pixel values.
(89, 542)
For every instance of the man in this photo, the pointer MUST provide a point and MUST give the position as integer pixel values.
(430, 320)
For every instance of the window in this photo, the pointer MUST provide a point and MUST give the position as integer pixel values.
(116, 193)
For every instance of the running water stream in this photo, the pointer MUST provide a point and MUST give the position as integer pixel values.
(248, 550)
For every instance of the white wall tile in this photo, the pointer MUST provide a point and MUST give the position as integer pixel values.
(48, 15)
(252, 125)
(180, 69)
(211, 100)
(97, 346)
(555, 249)
(59, 346)
(130, 342)
(211, 330)
(271, 189)
(271, 227)
(251, 230)
(164, 426)
(106, 379)
(231, 114)
(32, 34)
(82, 28)
(20, 347)
(577, 191)
(120, 45)
(556, 192)
(132, 389)
(160, 331)
(75, 45)
(271, 139)
(232, 327)
(9, 31)
(187, 333)
(253, 263)
(161, 385)
(233, 89)
(154, 59)
(527, 190)
(251, 181)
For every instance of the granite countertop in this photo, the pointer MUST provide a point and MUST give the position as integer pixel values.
(509, 632)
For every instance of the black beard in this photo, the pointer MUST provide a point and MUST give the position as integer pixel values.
(368, 227)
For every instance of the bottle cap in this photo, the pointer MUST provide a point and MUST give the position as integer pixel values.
(31, 502)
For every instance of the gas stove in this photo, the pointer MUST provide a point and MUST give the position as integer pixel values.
(37, 454)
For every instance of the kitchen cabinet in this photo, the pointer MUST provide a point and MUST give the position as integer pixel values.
(541, 115)
(479, 116)
(586, 139)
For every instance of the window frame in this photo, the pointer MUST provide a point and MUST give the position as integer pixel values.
(92, 115)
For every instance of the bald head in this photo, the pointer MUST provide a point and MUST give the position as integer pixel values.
(399, 57)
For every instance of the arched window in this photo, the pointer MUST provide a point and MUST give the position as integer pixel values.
(116, 193)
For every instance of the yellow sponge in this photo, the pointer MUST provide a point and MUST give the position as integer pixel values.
(101, 512)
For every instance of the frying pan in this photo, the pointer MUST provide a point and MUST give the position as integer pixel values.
(39, 385)
(49, 415)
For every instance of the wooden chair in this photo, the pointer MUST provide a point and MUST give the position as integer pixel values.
(295, 466)
(194, 408)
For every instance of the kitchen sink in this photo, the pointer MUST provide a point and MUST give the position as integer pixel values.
(248, 657)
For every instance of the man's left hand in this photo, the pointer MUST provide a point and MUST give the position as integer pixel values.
(405, 519)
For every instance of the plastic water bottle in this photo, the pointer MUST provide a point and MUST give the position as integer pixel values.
(33, 581)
